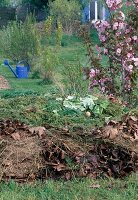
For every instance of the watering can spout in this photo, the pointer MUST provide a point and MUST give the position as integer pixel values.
(6, 62)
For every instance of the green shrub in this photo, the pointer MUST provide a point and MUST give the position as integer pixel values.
(48, 26)
(20, 41)
(59, 34)
(74, 79)
(67, 12)
(47, 64)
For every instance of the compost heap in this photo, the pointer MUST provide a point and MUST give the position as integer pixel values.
(3, 83)
(28, 154)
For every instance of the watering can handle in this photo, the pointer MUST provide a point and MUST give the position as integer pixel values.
(24, 61)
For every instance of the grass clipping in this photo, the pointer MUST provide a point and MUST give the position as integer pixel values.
(28, 154)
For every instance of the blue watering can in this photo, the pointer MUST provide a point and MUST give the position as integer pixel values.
(22, 69)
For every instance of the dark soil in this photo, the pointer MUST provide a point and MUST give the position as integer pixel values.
(27, 154)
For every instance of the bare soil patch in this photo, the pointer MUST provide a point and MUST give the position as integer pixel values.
(28, 154)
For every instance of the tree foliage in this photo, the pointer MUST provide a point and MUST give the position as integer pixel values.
(37, 3)
(4, 2)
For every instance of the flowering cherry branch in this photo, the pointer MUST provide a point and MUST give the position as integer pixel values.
(118, 40)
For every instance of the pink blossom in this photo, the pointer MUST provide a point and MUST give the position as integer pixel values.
(115, 25)
(101, 26)
(102, 38)
(105, 51)
(128, 3)
(127, 31)
(121, 25)
(98, 48)
(105, 23)
(129, 55)
(129, 68)
(103, 89)
(118, 34)
(92, 73)
(135, 61)
(95, 82)
(114, 4)
(118, 51)
(128, 40)
(135, 37)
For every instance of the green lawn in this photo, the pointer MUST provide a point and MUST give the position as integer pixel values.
(81, 189)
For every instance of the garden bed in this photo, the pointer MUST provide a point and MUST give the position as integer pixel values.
(30, 153)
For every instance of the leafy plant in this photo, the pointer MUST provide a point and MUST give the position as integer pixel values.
(87, 103)
(59, 34)
(74, 79)
(20, 41)
(66, 12)
(48, 26)
(48, 62)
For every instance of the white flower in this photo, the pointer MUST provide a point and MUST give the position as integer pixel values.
(130, 67)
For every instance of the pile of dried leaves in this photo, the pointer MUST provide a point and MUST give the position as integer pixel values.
(19, 151)
(4, 83)
(48, 152)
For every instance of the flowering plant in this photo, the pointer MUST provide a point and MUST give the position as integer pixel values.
(118, 41)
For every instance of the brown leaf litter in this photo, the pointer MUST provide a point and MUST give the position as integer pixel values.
(29, 153)
(4, 83)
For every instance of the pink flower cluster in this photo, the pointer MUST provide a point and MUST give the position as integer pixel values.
(101, 27)
(94, 72)
(97, 80)
(118, 39)
(114, 4)
(125, 49)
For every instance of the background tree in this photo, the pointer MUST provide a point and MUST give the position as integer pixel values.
(4, 2)
(37, 3)
(67, 12)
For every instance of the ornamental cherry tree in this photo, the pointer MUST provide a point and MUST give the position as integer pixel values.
(118, 41)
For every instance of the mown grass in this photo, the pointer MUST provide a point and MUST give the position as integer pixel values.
(78, 189)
